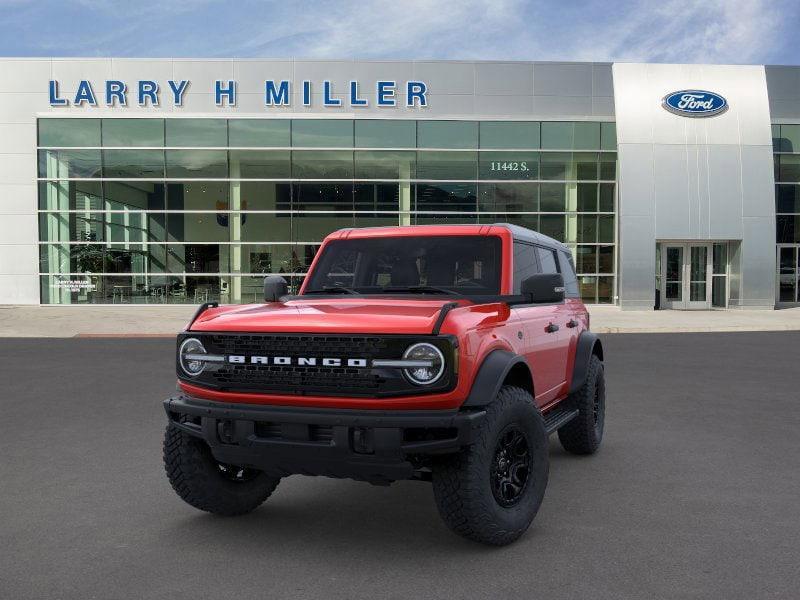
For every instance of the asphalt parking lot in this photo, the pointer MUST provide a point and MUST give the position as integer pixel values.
(693, 495)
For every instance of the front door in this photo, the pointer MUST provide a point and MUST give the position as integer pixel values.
(686, 275)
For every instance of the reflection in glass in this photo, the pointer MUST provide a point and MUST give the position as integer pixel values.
(789, 169)
(553, 197)
(608, 136)
(787, 198)
(447, 165)
(322, 133)
(509, 197)
(447, 134)
(605, 290)
(608, 166)
(212, 164)
(587, 259)
(65, 133)
(509, 134)
(605, 259)
(718, 292)
(385, 164)
(270, 201)
(461, 197)
(70, 195)
(588, 288)
(587, 197)
(674, 273)
(259, 133)
(263, 195)
(554, 226)
(197, 133)
(384, 133)
(322, 164)
(134, 195)
(132, 164)
(133, 132)
(313, 227)
(556, 165)
(606, 197)
(260, 164)
(585, 166)
(558, 135)
(380, 197)
(63, 164)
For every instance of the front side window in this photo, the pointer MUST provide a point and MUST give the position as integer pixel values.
(415, 264)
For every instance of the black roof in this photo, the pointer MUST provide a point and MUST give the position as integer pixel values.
(524, 234)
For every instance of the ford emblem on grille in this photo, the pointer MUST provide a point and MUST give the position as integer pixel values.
(299, 361)
(695, 103)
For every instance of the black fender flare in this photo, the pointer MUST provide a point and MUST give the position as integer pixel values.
(588, 344)
(491, 375)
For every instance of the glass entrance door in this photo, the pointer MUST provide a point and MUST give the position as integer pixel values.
(686, 275)
(788, 273)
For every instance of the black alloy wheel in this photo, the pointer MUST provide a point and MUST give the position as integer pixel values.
(510, 466)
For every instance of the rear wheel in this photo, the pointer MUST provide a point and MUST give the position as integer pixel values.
(491, 491)
(203, 482)
(583, 434)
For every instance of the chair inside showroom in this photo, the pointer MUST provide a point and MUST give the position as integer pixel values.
(404, 273)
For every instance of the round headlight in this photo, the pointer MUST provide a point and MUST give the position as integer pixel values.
(188, 357)
(426, 353)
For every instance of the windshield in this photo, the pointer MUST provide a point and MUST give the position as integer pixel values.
(466, 264)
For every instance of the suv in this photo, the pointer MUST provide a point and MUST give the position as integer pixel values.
(438, 353)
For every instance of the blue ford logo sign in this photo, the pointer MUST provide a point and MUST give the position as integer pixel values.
(695, 103)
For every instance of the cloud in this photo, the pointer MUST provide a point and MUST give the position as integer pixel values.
(714, 31)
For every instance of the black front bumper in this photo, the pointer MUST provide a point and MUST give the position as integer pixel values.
(371, 445)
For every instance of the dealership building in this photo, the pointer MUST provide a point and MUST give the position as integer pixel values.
(160, 181)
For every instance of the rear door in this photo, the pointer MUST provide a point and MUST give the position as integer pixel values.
(544, 326)
(576, 311)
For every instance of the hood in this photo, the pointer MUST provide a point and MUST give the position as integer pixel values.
(357, 315)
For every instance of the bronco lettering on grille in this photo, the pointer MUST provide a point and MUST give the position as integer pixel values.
(301, 361)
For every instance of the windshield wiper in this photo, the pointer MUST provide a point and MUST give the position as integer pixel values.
(334, 289)
(420, 289)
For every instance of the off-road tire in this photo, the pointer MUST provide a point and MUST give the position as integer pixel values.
(462, 483)
(200, 481)
(584, 433)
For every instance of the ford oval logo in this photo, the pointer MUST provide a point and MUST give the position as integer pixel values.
(695, 103)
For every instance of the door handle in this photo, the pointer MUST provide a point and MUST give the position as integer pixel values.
(551, 328)
(572, 323)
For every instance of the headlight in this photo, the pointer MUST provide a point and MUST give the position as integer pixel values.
(190, 356)
(429, 355)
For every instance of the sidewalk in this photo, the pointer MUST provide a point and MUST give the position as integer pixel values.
(144, 321)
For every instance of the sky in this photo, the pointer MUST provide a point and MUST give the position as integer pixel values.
(680, 31)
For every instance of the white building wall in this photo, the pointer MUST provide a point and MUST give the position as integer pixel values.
(456, 89)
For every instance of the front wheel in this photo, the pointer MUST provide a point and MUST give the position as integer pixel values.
(491, 491)
(203, 482)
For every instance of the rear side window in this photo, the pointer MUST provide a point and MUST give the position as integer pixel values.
(525, 264)
(547, 260)
(568, 270)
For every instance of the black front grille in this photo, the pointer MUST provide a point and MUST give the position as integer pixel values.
(297, 379)
(297, 345)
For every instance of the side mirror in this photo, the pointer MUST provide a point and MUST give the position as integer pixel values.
(544, 288)
(275, 286)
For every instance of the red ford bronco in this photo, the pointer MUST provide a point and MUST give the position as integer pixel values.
(438, 353)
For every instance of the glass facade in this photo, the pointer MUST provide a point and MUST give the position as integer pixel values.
(191, 210)
(786, 148)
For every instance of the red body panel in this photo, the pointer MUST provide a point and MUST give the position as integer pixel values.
(480, 329)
